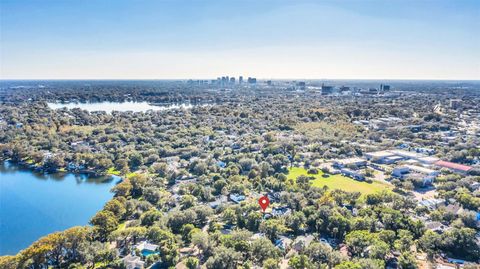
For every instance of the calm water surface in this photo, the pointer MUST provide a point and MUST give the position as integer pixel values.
(34, 205)
(119, 106)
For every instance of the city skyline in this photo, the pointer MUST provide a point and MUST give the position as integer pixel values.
(424, 40)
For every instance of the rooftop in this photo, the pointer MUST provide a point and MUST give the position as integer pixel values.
(420, 169)
(380, 154)
(455, 166)
(408, 154)
(428, 159)
(350, 160)
(147, 246)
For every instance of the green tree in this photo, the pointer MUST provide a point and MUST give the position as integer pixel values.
(348, 265)
(116, 207)
(272, 228)
(123, 189)
(191, 262)
(254, 219)
(104, 223)
(320, 253)
(167, 244)
(148, 218)
(404, 241)
(263, 249)
(407, 261)
(187, 201)
(128, 236)
(299, 262)
(271, 264)
(135, 160)
(296, 222)
(138, 182)
(176, 219)
(224, 258)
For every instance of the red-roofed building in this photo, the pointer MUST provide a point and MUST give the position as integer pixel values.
(456, 167)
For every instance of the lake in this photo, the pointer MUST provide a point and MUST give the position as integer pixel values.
(33, 205)
(120, 106)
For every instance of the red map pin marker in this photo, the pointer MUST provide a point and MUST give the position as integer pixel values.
(263, 202)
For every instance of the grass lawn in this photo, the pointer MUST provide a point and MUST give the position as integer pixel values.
(339, 182)
(122, 226)
(113, 171)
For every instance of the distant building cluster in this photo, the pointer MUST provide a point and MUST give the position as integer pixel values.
(323, 89)
(224, 81)
(413, 165)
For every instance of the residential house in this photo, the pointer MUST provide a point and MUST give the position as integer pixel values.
(146, 248)
(133, 262)
(222, 199)
(188, 251)
(302, 242)
(237, 198)
(435, 226)
(432, 203)
(454, 209)
(75, 167)
(455, 261)
(256, 236)
(475, 185)
(283, 243)
(281, 211)
(428, 151)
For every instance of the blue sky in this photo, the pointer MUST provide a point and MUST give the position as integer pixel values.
(367, 39)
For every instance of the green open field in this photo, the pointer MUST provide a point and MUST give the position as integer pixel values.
(339, 182)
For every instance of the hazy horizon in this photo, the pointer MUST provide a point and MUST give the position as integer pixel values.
(258, 78)
(356, 40)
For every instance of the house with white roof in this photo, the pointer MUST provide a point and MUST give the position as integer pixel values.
(146, 248)
(355, 161)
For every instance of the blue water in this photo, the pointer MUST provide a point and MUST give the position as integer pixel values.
(109, 107)
(33, 205)
(146, 252)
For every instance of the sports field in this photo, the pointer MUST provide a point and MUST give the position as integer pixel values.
(339, 182)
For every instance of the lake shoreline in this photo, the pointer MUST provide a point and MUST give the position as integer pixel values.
(17, 211)
(40, 169)
(127, 106)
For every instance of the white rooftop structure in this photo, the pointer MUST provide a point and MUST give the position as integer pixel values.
(431, 203)
(379, 154)
(147, 246)
(422, 170)
(428, 160)
(351, 160)
(407, 154)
